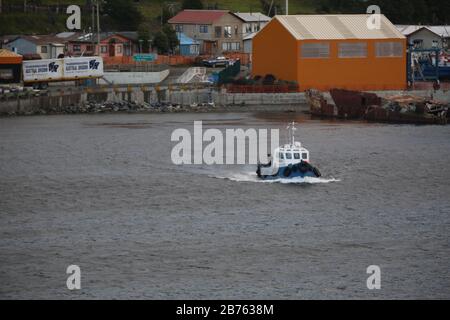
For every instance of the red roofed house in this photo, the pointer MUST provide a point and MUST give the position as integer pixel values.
(217, 31)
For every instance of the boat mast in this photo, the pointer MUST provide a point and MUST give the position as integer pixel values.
(292, 128)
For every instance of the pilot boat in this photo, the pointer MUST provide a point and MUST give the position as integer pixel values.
(289, 161)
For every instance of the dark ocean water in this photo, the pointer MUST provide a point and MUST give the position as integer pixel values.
(101, 192)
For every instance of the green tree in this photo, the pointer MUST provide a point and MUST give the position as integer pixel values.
(172, 38)
(161, 43)
(192, 4)
(123, 14)
(144, 35)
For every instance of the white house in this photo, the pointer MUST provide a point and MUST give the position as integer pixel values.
(426, 37)
(252, 21)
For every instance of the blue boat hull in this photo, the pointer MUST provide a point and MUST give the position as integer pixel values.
(292, 172)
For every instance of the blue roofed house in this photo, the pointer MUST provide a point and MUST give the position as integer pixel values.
(188, 46)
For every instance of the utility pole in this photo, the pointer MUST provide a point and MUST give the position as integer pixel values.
(170, 7)
(98, 24)
(287, 7)
(270, 8)
(93, 24)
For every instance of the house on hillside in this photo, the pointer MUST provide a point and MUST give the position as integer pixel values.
(217, 31)
(331, 51)
(112, 44)
(46, 46)
(426, 37)
(252, 22)
(5, 39)
(188, 46)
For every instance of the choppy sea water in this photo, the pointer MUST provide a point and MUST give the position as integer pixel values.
(100, 192)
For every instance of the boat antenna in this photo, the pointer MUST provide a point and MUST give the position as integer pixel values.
(293, 132)
(292, 129)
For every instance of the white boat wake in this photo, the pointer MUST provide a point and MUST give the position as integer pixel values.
(252, 177)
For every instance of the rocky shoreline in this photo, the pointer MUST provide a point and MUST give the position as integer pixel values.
(92, 107)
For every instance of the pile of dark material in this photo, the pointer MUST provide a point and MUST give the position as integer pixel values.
(92, 107)
(402, 108)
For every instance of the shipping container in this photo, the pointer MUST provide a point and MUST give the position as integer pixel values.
(66, 69)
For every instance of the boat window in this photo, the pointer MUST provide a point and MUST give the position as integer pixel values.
(297, 156)
(304, 156)
(281, 155)
(289, 156)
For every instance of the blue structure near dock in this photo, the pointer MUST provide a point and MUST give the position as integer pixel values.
(188, 46)
(424, 65)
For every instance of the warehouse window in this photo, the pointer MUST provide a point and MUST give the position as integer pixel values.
(389, 49)
(315, 50)
(353, 50)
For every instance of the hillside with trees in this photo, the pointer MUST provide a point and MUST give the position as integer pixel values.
(48, 16)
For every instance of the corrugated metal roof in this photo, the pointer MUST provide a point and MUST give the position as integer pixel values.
(336, 27)
(252, 16)
(249, 36)
(442, 31)
(198, 16)
(9, 54)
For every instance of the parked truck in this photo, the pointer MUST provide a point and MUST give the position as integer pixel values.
(39, 73)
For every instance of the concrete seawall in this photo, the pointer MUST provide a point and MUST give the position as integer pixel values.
(57, 101)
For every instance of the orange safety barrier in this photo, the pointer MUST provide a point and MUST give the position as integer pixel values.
(118, 60)
(175, 60)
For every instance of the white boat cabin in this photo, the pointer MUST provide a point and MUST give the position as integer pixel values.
(291, 154)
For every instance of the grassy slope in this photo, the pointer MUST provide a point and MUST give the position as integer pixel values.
(24, 23)
(152, 8)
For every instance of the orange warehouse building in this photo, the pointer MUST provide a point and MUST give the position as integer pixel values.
(332, 51)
